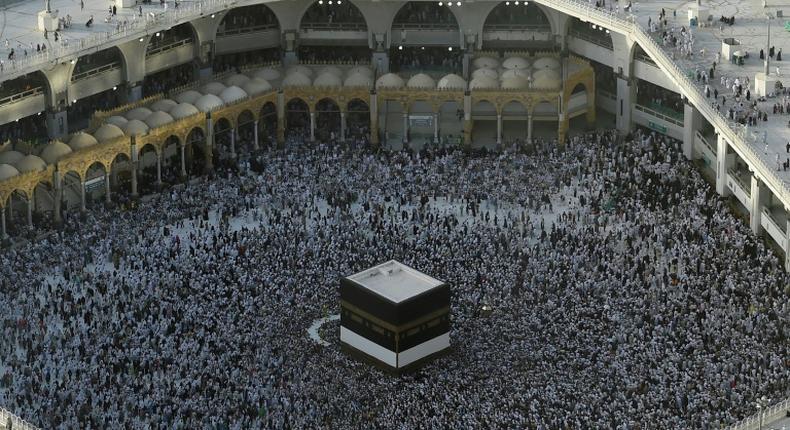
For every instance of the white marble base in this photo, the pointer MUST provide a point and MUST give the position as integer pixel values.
(47, 21)
(125, 3)
(764, 85)
(699, 12)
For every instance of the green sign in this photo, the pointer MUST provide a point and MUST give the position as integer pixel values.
(657, 127)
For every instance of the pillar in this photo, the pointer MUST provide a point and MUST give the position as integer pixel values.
(436, 127)
(467, 119)
(280, 119)
(374, 119)
(467, 61)
(57, 124)
(312, 126)
(787, 241)
(30, 211)
(159, 169)
(209, 148)
(405, 128)
(758, 196)
(691, 123)
(2, 223)
(135, 162)
(625, 98)
(499, 129)
(562, 129)
(289, 56)
(134, 92)
(722, 164)
(58, 184)
(107, 196)
(381, 62)
(529, 128)
(233, 142)
(342, 126)
(82, 195)
(182, 148)
(255, 145)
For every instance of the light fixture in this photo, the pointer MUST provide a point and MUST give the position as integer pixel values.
(441, 4)
(158, 34)
(516, 3)
(507, 3)
(213, 15)
(593, 26)
(141, 39)
(339, 2)
(73, 61)
(400, 47)
(458, 3)
(74, 101)
(114, 88)
(607, 31)
(450, 48)
(330, 1)
(423, 48)
(320, 1)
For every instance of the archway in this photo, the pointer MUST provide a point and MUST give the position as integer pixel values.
(327, 120)
(484, 124)
(121, 177)
(171, 160)
(243, 21)
(72, 190)
(590, 32)
(43, 205)
(222, 140)
(147, 176)
(421, 124)
(16, 213)
(545, 121)
(420, 15)
(451, 123)
(194, 151)
(29, 122)
(297, 118)
(514, 122)
(161, 41)
(247, 19)
(97, 62)
(358, 120)
(96, 184)
(246, 133)
(340, 15)
(391, 131)
(517, 24)
(267, 124)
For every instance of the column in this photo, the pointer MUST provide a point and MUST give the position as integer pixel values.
(756, 210)
(58, 184)
(436, 127)
(209, 148)
(30, 211)
(562, 129)
(787, 241)
(57, 124)
(135, 162)
(312, 126)
(2, 223)
(280, 119)
(467, 119)
(255, 145)
(134, 180)
(134, 92)
(182, 148)
(499, 129)
(233, 142)
(405, 128)
(158, 169)
(342, 127)
(625, 98)
(374, 119)
(107, 197)
(722, 164)
(691, 123)
(529, 128)
(82, 195)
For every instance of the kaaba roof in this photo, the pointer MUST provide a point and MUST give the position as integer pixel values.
(395, 281)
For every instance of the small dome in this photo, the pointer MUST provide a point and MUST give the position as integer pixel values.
(515, 73)
(106, 132)
(30, 163)
(299, 69)
(390, 80)
(486, 63)
(515, 83)
(213, 88)
(546, 79)
(232, 94)
(237, 80)
(116, 120)
(7, 171)
(208, 103)
(183, 110)
(297, 79)
(363, 70)
(328, 79)
(54, 152)
(11, 156)
(483, 83)
(358, 80)
(331, 69)
(516, 63)
(488, 73)
(138, 113)
(268, 74)
(135, 127)
(451, 82)
(158, 119)
(82, 140)
(256, 86)
(189, 96)
(546, 63)
(421, 80)
(163, 104)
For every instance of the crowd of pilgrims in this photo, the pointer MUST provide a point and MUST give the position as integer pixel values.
(624, 295)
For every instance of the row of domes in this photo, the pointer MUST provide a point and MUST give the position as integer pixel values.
(516, 63)
(422, 81)
(327, 76)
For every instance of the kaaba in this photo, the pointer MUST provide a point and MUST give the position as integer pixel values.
(394, 316)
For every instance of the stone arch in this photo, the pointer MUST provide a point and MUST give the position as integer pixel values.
(165, 37)
(297, 114)
(484, 105)
(195, 150)
(94, 178)
(264, 16)
(43, 199)
(445, 13)
(357, 117)
(327, 118)
(121, 179)
(267, 122)
(318, 7)
(89, 166)
(96, 60)
(529, 10)
(245, 129)
(593, 32)
(16, 205)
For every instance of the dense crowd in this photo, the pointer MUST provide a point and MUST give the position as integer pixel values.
(624, 295)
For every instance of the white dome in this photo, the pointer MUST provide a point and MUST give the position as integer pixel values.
(80, 140)
(30, 163)
(361, 70)
(421, 80)
(158, 119)
(256, 86)
(299, 69)
(514, 63)
(106, 132)
(331, 69)
(297, 79)
(515, 73)
(189, 96)
(11, 156)
(357, 79)
(488, 73)
(327, 79)
(268, 74)
(135, 127)
(390, 80)
(183, 110)
(515, 83)
(483, 83)
(486, 63)
(213, 88)
(138, 113)
(237, 80)
(163, 104)
(451, 82)
(232, 94)
(546, 79)
(546, 63)
(7, 171)
(116, 120)
(54, 152)
(208, 103)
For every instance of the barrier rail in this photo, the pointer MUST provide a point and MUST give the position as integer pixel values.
(770, 414)
(516, 27)
(98, 70)
(17, 423)
(23, 95)
(659, 115)
(337, 26)
(167, 47)
(245, 30)
(425, 26)
(602, 42)
(733, 132)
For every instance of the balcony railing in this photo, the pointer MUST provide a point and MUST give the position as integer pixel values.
(517, 27)
(605, 42)
(16, 422)
(334, 26)
(96, 71)
(425, 26)
(20, 96)
(659, 115)
(771, 413)
(245, 30)
(167, 47)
